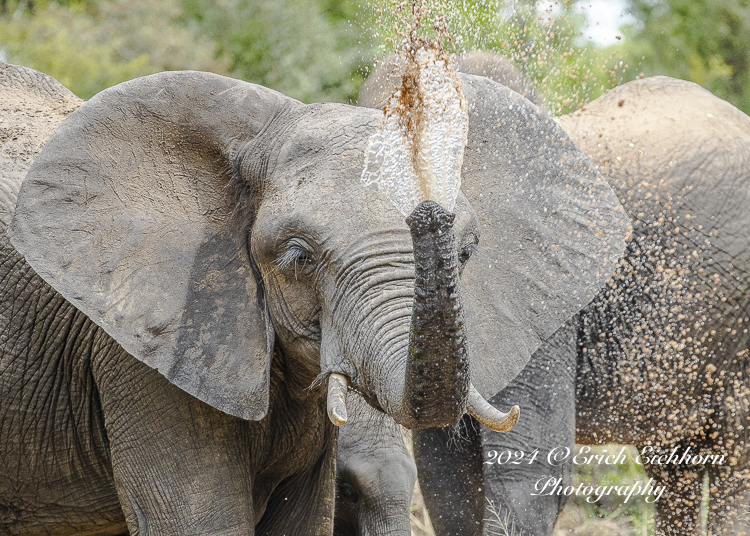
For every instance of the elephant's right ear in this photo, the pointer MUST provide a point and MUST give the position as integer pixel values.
(551, 231)
(128, 214)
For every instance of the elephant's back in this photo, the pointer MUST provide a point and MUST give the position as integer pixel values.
(32, 106)
(40, 336)
(678, 158)
(676, 155)
(660, 126)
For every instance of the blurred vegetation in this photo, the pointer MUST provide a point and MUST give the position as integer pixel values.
(317, 50)
(306, 49)
(706, 41)
(611, 515)
(89, 45)
(544, 42)
(547, 45)
(309, 50)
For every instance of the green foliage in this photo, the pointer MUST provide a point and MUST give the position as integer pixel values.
(313, 50)
(545, 45)
(548, 48)
(318, 50)
(304, 49)
(89, 47)
(636, 513)
(310, 50)
(56, 42)
(705, 41)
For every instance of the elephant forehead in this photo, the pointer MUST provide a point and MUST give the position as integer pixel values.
(319, 161)
(323, 137)
(383, 468)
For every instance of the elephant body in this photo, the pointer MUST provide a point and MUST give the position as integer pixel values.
(98, 410)
(671, 370)
(177, 290)
(659, 359)
(69, 476)
(50, 459)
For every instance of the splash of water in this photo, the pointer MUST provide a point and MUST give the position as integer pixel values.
(417, 150)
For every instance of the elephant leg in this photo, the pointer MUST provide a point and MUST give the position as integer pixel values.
(180, 466)
(450, 477)
(678, 509)
(516, 464)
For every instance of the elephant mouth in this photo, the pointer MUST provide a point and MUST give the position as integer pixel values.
(477, 407)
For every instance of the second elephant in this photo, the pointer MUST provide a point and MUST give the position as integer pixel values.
(661, 358)
(375, 475)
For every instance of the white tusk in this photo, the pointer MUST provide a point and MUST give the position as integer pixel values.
(337, 387)
(492, 418)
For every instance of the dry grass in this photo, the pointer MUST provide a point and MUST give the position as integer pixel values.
(420, 521)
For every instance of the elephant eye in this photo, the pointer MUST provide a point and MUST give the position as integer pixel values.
(348, 493)
(296, 256)
(467, 251)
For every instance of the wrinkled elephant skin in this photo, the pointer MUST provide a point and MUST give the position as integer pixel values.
(375, 475)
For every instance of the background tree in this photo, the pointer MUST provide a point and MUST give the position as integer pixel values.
(705, 41)
(89, 45)
(543, 39)
(546, 43)
(312, 50)
(309, 50)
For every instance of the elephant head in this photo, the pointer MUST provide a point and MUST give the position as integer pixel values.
(204, 222)
(375, 475)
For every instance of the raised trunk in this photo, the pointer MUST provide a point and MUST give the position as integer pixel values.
(437, 370)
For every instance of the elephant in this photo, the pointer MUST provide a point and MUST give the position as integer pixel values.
(367, 433)
(451, 460)
(191, 266)
(677, 350)
(375, 475)
(660, 357)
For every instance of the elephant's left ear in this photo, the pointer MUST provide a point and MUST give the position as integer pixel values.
(128, 212)
(551, 231)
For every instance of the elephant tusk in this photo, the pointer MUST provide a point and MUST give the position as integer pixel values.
(337, 387)
(492, 418)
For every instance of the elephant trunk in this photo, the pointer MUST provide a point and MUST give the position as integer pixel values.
(437, 368)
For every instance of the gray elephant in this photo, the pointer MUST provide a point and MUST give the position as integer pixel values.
(671, 371)
(191, 258)
(451, 461)
(375, 475)
(660, 358)
(369, 440)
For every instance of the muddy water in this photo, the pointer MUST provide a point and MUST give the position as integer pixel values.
(416, 152)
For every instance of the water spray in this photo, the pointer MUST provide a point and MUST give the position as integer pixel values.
(417, 150)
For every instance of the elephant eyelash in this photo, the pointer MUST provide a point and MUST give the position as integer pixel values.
(293, 255)
(466, 253)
